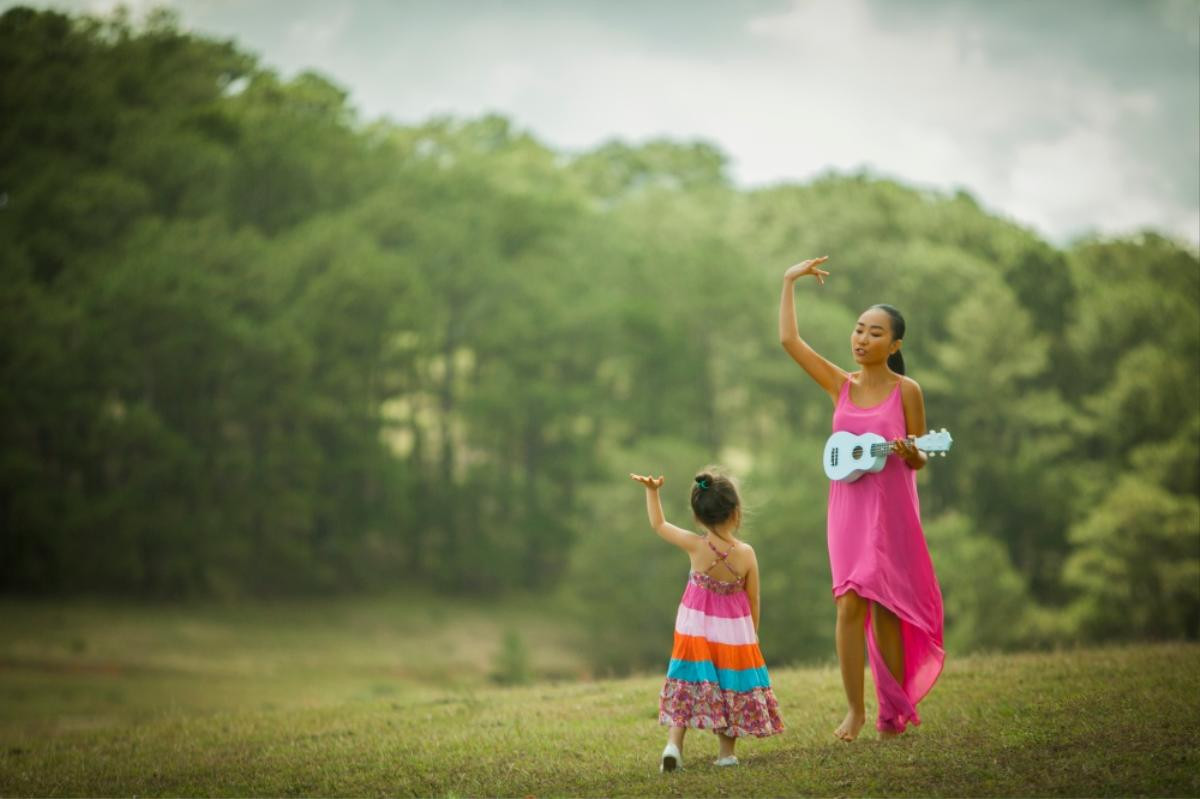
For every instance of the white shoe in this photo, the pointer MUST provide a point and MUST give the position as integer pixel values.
(726, 761)
(671, 759)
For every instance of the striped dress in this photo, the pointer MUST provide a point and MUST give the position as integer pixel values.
(717, 678)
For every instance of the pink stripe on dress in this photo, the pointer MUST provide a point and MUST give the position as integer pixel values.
(725, 606)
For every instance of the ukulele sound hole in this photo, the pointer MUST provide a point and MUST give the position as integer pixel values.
(857, 452)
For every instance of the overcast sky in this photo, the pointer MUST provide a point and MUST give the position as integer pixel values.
(1067, 115)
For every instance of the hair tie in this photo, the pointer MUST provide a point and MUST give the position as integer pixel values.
(702, 483)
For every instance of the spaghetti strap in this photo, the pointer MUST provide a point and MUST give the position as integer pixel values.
(721, 558)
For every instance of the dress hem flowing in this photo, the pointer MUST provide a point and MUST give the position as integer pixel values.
(901, 720)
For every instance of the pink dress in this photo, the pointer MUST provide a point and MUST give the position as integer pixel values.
(877, 549)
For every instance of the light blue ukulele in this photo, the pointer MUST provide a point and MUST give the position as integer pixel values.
(848, 456)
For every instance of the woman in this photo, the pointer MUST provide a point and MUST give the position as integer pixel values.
(883, 580)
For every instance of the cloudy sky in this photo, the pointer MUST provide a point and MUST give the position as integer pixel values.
(1069, 116)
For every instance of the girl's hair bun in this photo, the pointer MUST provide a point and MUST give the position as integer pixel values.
(714, 497)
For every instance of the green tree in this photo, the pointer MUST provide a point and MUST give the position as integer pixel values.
(1136, 564)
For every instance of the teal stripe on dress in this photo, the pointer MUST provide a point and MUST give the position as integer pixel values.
(728, 679)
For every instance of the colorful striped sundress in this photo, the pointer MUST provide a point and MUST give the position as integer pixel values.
(717, 678)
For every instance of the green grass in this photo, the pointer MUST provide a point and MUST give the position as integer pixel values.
(393, 697)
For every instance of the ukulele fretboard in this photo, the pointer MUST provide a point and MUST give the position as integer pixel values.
(882, 448)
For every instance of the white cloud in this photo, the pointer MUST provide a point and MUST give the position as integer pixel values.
(933, 110)
(1084, 180)
(821, 84)
(317, 37)
(137, 8)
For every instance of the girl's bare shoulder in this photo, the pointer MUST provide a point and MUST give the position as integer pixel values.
(745, 550)
(749, 561)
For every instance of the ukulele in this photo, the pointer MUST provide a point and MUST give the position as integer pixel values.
(848, 457)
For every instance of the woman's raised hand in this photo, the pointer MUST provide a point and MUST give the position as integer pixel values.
(647, 480)
(809, 267)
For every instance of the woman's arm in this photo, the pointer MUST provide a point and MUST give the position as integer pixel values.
(828, 376)
(681, 538)
(914, 423)
(752, 593)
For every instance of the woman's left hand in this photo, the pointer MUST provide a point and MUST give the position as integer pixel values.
(906, 449)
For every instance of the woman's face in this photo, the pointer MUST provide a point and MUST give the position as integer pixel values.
(872, 342)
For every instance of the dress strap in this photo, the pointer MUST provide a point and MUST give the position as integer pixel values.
(721, 558)
(844, 391)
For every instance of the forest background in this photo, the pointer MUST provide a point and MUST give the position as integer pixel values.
(252, 346)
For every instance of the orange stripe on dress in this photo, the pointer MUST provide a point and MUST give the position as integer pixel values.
(723, 656)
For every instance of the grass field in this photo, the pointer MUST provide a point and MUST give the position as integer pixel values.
(393, 697)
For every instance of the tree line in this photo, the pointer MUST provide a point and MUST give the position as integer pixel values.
(253, 345)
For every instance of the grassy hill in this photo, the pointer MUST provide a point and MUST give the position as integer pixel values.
(393, 697)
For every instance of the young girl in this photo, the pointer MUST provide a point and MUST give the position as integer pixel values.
(716, 679)
(883, 580)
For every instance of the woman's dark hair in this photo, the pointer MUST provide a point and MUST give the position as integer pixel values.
(895, 360)
(714, 498)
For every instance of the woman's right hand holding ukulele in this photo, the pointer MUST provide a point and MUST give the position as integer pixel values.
(808, 267)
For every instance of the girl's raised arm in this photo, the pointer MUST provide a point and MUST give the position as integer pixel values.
(828, 375)
(681, 538)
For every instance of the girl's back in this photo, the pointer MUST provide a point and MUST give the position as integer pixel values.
(725, 560)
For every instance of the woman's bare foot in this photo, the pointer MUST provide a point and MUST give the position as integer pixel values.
(851, 725)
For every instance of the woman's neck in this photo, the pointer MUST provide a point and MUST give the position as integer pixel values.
(876, 375)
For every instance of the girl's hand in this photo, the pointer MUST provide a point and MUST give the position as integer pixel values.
(809, 267)
(649, 482)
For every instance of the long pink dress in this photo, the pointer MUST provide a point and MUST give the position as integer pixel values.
(877, 549)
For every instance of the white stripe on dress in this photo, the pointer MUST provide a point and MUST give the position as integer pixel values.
(714, 628)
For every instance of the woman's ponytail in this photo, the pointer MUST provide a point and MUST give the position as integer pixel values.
(896, 362)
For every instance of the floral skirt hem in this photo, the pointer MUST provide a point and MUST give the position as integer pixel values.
(705, 706)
